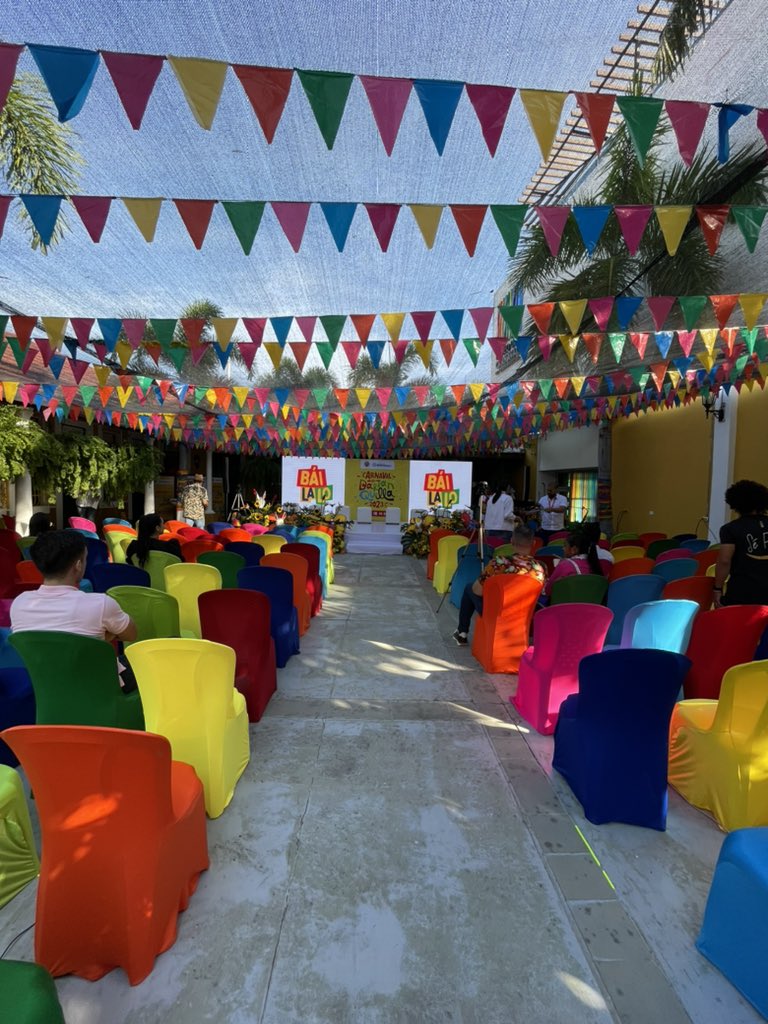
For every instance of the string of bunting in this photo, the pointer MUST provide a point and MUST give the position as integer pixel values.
(69, 72)
(245, 218)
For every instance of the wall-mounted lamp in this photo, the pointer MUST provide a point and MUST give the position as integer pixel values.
(714, 405)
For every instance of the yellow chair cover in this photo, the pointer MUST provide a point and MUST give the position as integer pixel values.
(448, 549)
(328, 550)
(186, 581)
(188, 693)
(156, 564)
(630, 551)
(718, 752)
(270, 542)
(18, 858)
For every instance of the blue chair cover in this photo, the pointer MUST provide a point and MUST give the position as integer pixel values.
(676, 569)
(86, 586)
(216, 528)
(554, 550)
(467, 571)
(277, 584)
(98, 554)
(624, 594)
(17, 699)
(118, 575)
(322, 547)
(252, 553)
(612, 737)
(694, 545)
(283, 531)
(732, 936)
(660, 625)
(114, 522)
(684, 536)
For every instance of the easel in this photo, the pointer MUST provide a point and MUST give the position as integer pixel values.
(479, 532)
(238, 504)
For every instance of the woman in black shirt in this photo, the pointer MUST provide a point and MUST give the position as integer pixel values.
(149, 529)
(743, 558)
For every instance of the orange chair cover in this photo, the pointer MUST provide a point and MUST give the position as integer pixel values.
(501, 632)
(192, 548)
(434, 537)
(630, 567)
(27, 572)
(233, 534)
(297, 567)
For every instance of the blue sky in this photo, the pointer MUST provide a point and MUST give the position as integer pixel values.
(537, 43)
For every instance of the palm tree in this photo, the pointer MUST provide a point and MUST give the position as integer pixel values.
(685, 20)
(391, 374)
(37, 153)
(289, 375)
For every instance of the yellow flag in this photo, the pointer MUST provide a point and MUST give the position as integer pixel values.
(54, 327)
(168, 417)
(569, 343)
(476, 390)
(274, 351)
(706, 359)
(10, 387)
(201, 82)
(428, 219)
(573, 311)
(247, 419)
(751, 306)
(424, 349)
(239, 432)
(674, 376)
(88, 413)
(518, 399)
(363, 394)
(176, 433)
(123, 394)
(673, 221)
(543, 109)
(211, 398)
(394, 324)
(144, 213)
(102, 375)
(578, 384)
(709, 336)
(224, 328)
(124, 353)
(240, 395)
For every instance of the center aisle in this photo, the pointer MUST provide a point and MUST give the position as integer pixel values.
(396, 854)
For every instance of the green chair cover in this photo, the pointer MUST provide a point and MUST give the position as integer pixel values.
(155, 613)
(590, 589)
(113, 540)
(28, 994)
(155, 566)
(18, 858)
(25, 543)
(228, 564)
(76, 682)
(658, 547)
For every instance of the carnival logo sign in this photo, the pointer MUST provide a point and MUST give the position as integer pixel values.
(313, 485)
(440, 490)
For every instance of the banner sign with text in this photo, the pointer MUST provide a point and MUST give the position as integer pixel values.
(377, 484)
(312, 481)
(443, 483)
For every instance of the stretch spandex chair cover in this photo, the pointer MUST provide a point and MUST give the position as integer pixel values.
(632, 567)
(123, 845)
(250, 553)
(468, 570)
(76, 682)
(733, 933)
(28, 994)
(277, 585)
(322, 536)
(694, 588)
(192, 549)
(562, 636)
(156, 564)
(240, 619)
(227, 562)
(624, 552)
(626, 593)
(155, 613)
(676, 569)
(230, 534)
(660, 626)
(720, 639)
(297, 567)
(611, 737)
(79, 523)
(448, 554)
(434, 538)
(186, 582)
(501, 631)
(718, 749)
(105, 577)
(319, 543)
(311, 556)
(18, 858)
(587, 589)
(271, 543)
(188, 691)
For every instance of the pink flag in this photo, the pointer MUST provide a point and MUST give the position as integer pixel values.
(499, 346)
(82, 328)
(639, 341)
(481, 317)
(552, 220)
(383, 396)
(383, 217)
(546, 343)
(352, 350)
(388, 98)
(45, 350)
(93, 212)
(9, 55)
(197, 351)
(134, 330)
(196, 214)
(688, 120)
(601, 310)
(632, 221)
(5, 202)
(292, 218)
(762, 122)
(307, 326)
(491, 104)
(134, 76)
(29, 358)
(255, 326)
(400, 348)
(248, 351)
(423, 324)
(659, 307)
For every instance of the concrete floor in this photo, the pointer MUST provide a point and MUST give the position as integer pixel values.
(398, 852)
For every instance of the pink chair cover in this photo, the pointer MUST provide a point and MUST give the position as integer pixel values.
(79, 523)
(665, 556)
(255, 528)
(549, 670)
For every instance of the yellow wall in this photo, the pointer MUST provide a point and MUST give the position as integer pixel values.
(750, 461)
(660, 464)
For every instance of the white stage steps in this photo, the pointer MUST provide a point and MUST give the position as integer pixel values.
(374, 539)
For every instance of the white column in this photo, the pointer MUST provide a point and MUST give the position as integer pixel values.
(209, 477)
(24, 507)
(721, 477)
(149, 498)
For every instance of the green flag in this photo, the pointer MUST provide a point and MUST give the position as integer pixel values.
(333, 325)
(320, 395)
(545, 387)
(749, 220)
(513, 318)
(325, 351)
(327, 92)
(472, 345)
(692, 307)
(245, 219)
(164, 331)
(18, 351)
(87, 391)
(177, 354)
(617, 340)
(749, 337)
(509, 221)
(641, 115)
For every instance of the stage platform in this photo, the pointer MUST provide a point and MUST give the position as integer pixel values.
(374, 539)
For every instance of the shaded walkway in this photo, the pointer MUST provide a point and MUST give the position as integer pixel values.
(397, 853)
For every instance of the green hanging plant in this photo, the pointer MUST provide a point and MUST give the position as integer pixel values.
(136, 466)
(26, 447)
(88, 468)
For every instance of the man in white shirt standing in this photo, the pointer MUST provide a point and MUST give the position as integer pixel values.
(553, 507)
(499, 514)
(59, 606)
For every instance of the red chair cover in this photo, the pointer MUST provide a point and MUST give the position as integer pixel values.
(314, 583)
(630, 567)
(691, 588)
(721, 639)
(192, 548)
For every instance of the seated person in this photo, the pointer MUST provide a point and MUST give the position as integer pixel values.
(59, 606)
(149, 529)
(39, 523)
(592, 531)
(580, 558)
(521, 563)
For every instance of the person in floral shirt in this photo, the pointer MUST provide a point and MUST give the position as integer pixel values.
(521, 563)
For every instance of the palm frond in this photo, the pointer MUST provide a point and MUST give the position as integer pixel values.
(684, 21)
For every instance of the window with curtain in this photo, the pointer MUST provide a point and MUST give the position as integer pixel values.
(583, 496)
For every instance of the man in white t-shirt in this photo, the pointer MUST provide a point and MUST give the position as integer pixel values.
(553, 507)
(59, 606)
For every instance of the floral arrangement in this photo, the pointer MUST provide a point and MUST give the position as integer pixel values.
(415, 533)
(295, 515)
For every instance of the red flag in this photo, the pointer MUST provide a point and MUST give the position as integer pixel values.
(248, 351)
(352, 350)
(596, 108)
(22, 328)
(300, 351)
(383, 217)
(134, 76)
(593, 344)
(5, 202)
(712, 220)
(82, 328)
(93, 212)
(193, 329)
(388, 98)
(498, 346)
(362, 322)
(196, 214)
(255, 326)
(659, 307)
(423, 324)
(292, 218)
(267, 89)
(9, 55)
(448, 347)
(541, 313)
(723, 306)
(491, 104)
(469, 221)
